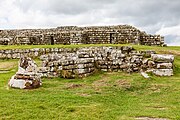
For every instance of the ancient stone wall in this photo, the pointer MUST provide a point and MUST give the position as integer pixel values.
(80, 62)
(33, 53)
(85, 61)
(80, 35)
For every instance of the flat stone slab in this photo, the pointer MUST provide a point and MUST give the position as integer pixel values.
(24, 84)
(164, 66)
(162, 58)
(163, 72)
(145, 75)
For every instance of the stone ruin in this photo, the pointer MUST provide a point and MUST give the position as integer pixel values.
(82, 62)
(86, 61)
(27, 76)
(120, 34)
(164, 64)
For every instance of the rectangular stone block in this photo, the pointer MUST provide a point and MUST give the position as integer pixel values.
(163, 72)
(164, 66)
(162, 58)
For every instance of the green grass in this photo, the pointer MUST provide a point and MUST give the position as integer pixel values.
(105, 96)
(166, 50)
(140, 47)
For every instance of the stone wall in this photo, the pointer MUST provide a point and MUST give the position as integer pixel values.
(33, 53)
(80, 62)
(85, 61)
(80, 35)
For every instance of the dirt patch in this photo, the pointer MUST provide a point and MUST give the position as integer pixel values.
(100, 83)
(174, 52)
(123, 84)
(149, 118)
(157, 107)
(7, 65)
(111, 73)
(83, 94)
(157, 87)
(73, 86)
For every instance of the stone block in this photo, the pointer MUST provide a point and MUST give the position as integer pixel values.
(164, 66)
(163, 72)
(162, 58)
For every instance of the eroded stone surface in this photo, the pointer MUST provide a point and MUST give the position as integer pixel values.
(84, 61)
(27, 76)
(79, 35)
(164, 66)
(162, 58)
(163, 72)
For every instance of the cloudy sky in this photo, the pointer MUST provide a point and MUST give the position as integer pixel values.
(153, 16)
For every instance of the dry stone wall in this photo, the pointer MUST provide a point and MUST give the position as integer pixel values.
(81, 62)
(163, 65)
(80, 35)
(85, 61)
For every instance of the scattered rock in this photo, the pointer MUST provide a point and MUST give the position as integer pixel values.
(145, 75)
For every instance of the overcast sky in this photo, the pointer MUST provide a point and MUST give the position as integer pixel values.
(153, 16)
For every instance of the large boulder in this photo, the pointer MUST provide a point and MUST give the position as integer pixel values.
(27, 76)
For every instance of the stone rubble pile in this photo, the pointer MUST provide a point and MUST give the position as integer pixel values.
(27, 76)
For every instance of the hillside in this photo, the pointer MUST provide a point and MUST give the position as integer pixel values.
(105, 96)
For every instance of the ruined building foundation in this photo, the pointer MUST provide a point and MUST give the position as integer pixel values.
(120, 34)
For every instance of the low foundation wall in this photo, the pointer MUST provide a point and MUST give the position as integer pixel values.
(85, 61)
(81, 62)
(33, 53)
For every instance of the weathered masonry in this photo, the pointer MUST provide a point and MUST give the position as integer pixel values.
(82, 62)
(120, 34)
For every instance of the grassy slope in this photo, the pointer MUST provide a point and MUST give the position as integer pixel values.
(101, 96)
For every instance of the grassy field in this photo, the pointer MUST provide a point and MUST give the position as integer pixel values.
(140, 47)
(104, 96)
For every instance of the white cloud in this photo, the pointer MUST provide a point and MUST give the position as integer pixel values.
(161, 17)
(172, 30)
